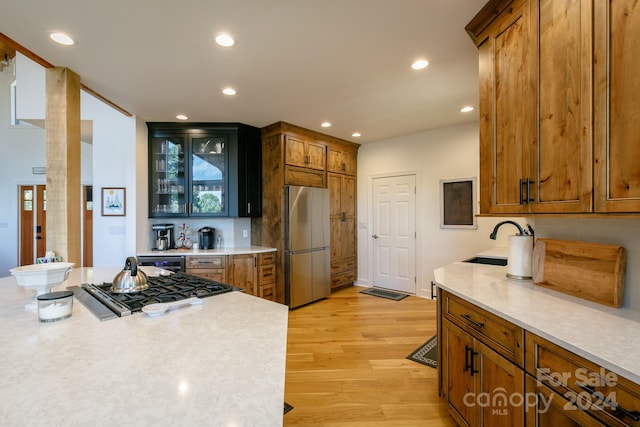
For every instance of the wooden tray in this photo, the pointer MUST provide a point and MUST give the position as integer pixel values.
(591, 271)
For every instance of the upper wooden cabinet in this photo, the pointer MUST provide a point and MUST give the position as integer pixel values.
(305, 153)
(617, 124)
(341, 160)
(556, 86)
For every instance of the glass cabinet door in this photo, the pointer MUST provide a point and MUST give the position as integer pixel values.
(208, 175)
(167, 176)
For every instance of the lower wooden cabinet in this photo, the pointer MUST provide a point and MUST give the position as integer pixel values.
(481, 387)
(545, 408)
(243, 272)
(253, 273)
(494, 373)
(267, 275)
(212, 267)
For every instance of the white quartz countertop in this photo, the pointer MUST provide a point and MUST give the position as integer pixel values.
(202, 252)
(607, 336)
(221, 363)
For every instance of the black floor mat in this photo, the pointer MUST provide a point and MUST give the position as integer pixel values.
(426, 353)
(383, 293)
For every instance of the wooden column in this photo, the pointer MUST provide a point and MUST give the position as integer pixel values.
(63, 163)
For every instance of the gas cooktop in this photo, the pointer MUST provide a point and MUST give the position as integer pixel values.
(106, 304)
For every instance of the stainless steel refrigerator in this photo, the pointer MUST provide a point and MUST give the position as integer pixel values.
(307, 268)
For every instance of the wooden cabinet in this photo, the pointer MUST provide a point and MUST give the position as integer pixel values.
(487, 377)
(213, 267)
(281, 144)
(558, 114)
(267, 275)
(581, 386)
(481, 364)
(341, 160)
(342, 220)
(204, 169)
(305, 160)
(243, 272)
(479, 382)
(617, 128)
(547, 409)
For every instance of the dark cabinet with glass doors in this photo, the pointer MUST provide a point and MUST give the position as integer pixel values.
(204, 170)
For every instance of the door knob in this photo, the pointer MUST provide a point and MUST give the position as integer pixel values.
(375, 236)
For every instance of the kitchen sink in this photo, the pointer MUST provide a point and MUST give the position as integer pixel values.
(487, 260)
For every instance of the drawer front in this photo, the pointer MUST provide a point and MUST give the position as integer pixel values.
(502, 335)
(343, 265)
(551, 409)
(217, 275)
(268, 292)
(606, 395)
(343, 279)
(267, 274)
(266, 258)
(217, 261)
(306, 177)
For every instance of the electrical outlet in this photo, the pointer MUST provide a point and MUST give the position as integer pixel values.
(245, 233)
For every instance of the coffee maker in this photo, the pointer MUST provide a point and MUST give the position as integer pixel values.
(163, 236)
(205, 237)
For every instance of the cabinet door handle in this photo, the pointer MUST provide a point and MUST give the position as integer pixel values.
(521, 184)
(248, 208)
(344, 216)
(634, 415)
(468, 359)
(529, 182)
(469, 319)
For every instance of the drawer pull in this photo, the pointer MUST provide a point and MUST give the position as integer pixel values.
(469, 319)
(634, 415)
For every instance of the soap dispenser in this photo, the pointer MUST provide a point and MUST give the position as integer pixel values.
(520, 250)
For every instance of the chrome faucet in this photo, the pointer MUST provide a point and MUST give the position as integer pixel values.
(521, 231)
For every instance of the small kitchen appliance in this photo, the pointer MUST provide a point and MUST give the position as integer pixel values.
(163, 236)
(205, 237)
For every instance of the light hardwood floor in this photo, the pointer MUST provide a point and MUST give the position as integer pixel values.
(347, 365)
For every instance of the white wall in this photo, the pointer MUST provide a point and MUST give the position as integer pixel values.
(448, 153)
(109, 162)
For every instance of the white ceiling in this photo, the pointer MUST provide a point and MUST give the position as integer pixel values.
(299, 61)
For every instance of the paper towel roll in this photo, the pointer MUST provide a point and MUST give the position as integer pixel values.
(519, 259)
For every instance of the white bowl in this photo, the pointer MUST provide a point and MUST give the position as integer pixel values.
(41, 277)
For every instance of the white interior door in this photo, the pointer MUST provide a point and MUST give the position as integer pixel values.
(394, 233)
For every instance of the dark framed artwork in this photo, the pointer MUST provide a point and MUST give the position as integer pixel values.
(458, 203)
(113, 201)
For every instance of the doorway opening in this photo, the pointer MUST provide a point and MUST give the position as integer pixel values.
(32, 223)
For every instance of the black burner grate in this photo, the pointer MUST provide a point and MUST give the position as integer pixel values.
(176, 287)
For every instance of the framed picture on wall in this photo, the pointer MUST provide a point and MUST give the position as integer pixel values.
(113, 201)
(458, 203)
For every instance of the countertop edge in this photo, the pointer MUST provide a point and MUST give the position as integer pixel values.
(205, 252)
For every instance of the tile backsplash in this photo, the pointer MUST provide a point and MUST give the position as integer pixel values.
(614, 231)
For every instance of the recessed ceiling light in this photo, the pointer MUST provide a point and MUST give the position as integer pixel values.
(420, 64)
(61, 38)
(225, 40)
(181, 117)
(325, 124)
(466, 109)
(356, 134)
(229, 91)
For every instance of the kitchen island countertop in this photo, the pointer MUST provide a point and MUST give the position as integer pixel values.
(605, 335)
(221, 363)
